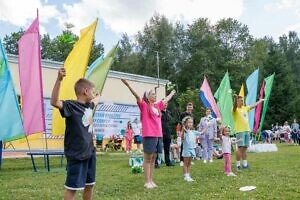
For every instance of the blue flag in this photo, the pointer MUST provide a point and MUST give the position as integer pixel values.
(10, 116)
(251, 83)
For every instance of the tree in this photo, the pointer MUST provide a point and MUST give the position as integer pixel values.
(11, 42)
(279, 109)
(157, 36)
(56, 49)
(235, 41)
(126, 58)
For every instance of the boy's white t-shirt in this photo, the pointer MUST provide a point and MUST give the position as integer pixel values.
(226, 144)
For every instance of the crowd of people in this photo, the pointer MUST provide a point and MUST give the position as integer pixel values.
(193, 139)
(289, 134)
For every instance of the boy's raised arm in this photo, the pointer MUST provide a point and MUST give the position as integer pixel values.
(96, 100)
(55, 91)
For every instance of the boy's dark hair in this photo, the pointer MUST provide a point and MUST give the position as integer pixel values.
(189, 104)
(82, 84)
(208, 108)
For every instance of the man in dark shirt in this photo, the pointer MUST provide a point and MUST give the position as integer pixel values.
(165, 119)
(188, 112)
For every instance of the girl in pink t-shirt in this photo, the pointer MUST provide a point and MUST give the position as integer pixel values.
(128, 137)
(151, 129)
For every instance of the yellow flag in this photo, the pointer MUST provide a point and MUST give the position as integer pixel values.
(242, 92)
(75, 65)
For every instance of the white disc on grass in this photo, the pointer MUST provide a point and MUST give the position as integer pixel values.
(247, 188)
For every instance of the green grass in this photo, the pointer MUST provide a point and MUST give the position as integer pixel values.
(276, 176)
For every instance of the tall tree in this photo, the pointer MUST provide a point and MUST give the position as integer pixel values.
(235, 40)
(11, 42)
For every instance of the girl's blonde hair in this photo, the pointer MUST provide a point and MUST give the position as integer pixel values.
(223, 129)
(184, 120)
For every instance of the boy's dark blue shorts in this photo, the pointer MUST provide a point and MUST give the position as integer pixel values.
(81, 173)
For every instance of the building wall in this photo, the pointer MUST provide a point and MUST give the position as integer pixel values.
(114, 92)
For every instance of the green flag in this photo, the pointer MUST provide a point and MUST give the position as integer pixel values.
(224, 101)
(268, 88)
(98, 71)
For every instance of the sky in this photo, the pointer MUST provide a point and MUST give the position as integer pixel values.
(263, 17)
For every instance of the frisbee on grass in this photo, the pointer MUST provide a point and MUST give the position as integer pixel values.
(247, 188)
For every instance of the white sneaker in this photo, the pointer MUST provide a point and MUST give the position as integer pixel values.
(181, 164)
(148, 186)
(204, 161)
(189, 179)
(211, 160)
(231, 174)
(154, 185)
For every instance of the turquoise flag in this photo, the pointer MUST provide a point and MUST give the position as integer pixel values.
(224, 101)
(98, 71)
(268, 88)
(10, 116)
(251, 83)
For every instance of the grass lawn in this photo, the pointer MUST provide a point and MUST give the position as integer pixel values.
(276, 176)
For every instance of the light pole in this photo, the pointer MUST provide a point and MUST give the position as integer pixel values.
(157, 68)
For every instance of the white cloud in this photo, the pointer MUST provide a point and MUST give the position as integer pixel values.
(293, 27)
(292, 6)
(131, 15)
(21, 13)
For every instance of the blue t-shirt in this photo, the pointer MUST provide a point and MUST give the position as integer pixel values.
(78, 142)
(190, 137)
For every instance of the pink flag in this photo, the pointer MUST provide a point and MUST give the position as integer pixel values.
(31, 80)
(259, 108)
(208, 99)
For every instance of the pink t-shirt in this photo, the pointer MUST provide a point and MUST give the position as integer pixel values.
(151, 120)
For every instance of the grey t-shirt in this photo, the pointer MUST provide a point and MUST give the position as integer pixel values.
(78, 142)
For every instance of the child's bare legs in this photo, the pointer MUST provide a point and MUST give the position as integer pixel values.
(149, 165)
(238, 155)
(153, 158)
(88, 192)
(69, 194)
(138, 146)
(187, 166)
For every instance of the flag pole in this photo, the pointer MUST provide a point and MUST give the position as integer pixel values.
(1, 146)
(44, 133)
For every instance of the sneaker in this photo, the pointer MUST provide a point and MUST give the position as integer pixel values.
(231, 174)
(245, 167)
(154, 185)
(189, 179)
(204, 161)
(148, 186)
(211, 160)
(238, 167)
(181, 164)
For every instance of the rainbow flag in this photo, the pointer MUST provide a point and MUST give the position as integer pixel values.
(208, 99)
